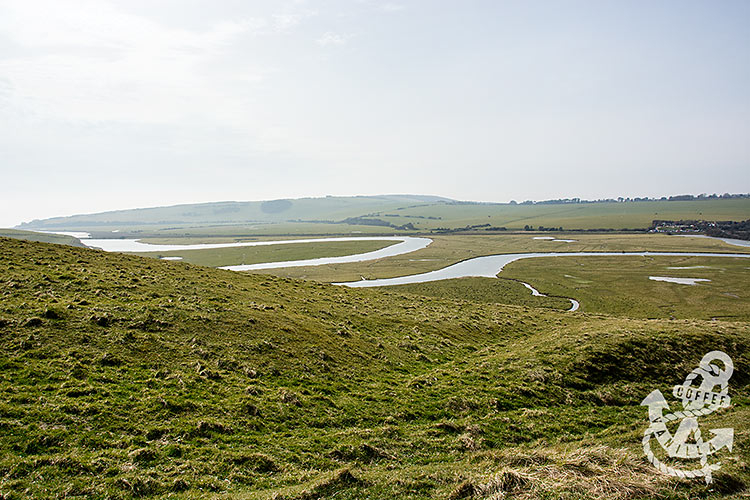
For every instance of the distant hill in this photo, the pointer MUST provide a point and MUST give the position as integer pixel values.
(327, 209)
(391, 214)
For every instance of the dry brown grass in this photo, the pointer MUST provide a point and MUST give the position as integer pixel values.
(596, 473)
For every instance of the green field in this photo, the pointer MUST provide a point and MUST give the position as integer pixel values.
(617, 286)
(499, 291)
(621, 285)
(130, 377)
(271, 253)
(631, 215)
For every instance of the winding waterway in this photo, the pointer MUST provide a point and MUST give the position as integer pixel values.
(490, 265)
(405, 244)
(487, 266)
(574, 304)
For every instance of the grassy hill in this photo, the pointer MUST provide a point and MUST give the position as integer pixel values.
(330, 208)
(129, 377)
(385, 214)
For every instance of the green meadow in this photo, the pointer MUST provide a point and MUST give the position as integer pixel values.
(126, 377)
(490, 290)
(620, 286)
(617, 286)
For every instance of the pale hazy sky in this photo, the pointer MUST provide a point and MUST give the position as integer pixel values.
(122, 104)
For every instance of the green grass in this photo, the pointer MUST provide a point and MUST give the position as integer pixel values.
(271, 253)
(621, 286)
(129, 377)
(502, 291)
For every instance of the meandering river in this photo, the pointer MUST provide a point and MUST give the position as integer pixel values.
(487, 266)
(405, 244)
(490, 265)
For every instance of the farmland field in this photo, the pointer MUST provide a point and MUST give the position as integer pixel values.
(573, 216)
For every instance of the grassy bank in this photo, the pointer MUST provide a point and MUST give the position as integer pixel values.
(271, 253)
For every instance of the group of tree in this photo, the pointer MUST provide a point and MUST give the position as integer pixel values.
(620, 199)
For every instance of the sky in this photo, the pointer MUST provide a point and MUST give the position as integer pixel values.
(109, 105)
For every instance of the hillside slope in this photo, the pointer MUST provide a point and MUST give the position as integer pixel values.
(386, 214)
(329, 208)
(124, 376)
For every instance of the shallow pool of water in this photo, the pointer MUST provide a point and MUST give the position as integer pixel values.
(680, 281)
